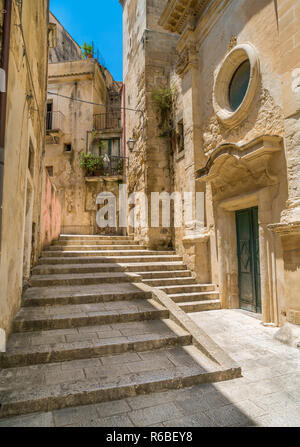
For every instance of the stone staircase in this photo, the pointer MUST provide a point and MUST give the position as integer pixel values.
(89, 331)
(162, 269)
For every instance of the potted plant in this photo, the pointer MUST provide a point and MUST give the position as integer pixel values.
(87, 51)
(92, 165)
(99, 166)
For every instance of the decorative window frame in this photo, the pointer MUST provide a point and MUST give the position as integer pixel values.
(225, 72)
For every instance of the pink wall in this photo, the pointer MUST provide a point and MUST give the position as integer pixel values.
(51, 212)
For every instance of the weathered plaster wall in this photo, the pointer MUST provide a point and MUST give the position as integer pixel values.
(51, 212)
(88, 81)
(149, 53)
(66, 48)
(24, 145)
(75, 80)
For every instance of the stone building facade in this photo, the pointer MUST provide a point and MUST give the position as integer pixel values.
(83, 117)
(233, 71)
(24, 56)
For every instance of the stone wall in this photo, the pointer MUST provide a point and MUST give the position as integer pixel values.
(51, 212)
(65, 49)
(208, 254)
(148, 54)
(74, 132)
(172, 45)
(288, 13)
(24, 146)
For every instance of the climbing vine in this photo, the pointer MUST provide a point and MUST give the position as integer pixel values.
(164, 100)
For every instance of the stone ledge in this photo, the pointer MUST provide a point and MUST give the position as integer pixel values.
(199, 338)
(284, 229)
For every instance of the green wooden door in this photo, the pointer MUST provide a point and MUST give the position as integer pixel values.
(248, 257)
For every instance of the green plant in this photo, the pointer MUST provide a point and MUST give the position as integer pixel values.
(120, 167)
(164, 100)
(87, 50)
(102, 146)
(90, 163)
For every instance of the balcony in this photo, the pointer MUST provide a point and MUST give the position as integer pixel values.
(108, 121)
(54, 126)
(104, 166)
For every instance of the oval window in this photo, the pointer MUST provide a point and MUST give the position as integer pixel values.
(239, 85)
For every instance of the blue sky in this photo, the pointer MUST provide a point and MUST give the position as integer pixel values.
(99, 21)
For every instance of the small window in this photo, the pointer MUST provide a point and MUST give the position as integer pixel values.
(68, 148)
(49, 117)
(49, 169)
(180, 137)
(31, 159)
(239, 85)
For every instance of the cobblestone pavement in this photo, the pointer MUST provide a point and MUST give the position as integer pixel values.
(268, 395)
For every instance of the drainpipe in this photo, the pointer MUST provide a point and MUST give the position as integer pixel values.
(124, 141)
(124, 124)
(3, 94)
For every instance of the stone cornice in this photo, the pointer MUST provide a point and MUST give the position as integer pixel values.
(178, 13)
(188, 58)
(283, 229)
(255, 153)
(193, 20)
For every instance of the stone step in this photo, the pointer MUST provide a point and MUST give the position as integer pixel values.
(138, 268)
(200, 306)
(193, 297)
(31, 319)
(106, 253)
(170, 281)
(110, 259)
(82, 279)
(34, 348)
(86, 248)
(188, 289)
(67, 243)
(100, 237)
(63, 385)
(63, 295)
(167, 275)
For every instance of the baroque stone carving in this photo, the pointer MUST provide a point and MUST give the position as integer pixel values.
(227, 68)
(265, 117)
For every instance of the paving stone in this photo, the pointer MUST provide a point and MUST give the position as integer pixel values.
(121, 359)
(112, 408)
(288, 418)
(75, 415)
(36, 420)
(150, 400)
(121, 421)
(53, 378)
(203, 403)
(199, 420)
(230, 416)
(153, 415)
(278, 402)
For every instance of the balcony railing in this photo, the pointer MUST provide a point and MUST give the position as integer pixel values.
(107, 121)
(54, 121)
(106, 166)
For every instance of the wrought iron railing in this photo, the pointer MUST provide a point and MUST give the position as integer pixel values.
(105, 165)
(54, 121)
(106, 121)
